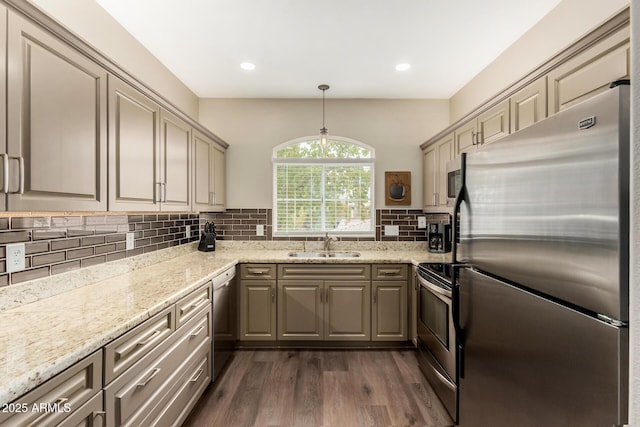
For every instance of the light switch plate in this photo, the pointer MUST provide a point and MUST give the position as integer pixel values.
(260, 230)
(129, 242)
(187, 232)
(391, 230)
(15, 257)
(422, 222)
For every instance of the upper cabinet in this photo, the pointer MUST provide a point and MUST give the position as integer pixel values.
(56, 124)
(589, 72)
(583, 70)
(134, 150)
(175, 165)
(528, 105)
(74, 137)
(486, 128)
(435, 160)
(209, 174)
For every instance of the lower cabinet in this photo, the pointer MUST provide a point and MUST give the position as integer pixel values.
(324, 310)
(153, 387)
(389, 312)
(258, 302)
(60, 398)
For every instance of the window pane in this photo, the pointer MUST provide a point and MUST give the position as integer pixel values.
(325, 196)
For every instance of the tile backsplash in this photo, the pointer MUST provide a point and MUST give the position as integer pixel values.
(240, 224)
(58, 243)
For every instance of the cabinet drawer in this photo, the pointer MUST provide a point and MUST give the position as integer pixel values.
(90, 414)
(258, 271)
(128, 397)
(190, 305)
(390, 272)
(325, 272)
(194, 379)
(123, 352)
(69, 389)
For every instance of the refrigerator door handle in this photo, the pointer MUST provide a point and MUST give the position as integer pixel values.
(456, 208)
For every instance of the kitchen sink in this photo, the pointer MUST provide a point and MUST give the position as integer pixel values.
(324, 254)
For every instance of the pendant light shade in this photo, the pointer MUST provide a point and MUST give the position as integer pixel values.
(324, 133)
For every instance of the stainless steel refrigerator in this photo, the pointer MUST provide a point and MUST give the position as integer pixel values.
(542, 308)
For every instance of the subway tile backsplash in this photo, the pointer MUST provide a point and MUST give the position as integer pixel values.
(55, 244)
(240, 224)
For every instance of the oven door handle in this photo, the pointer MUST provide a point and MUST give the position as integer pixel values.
(434, 288)
(455, 313)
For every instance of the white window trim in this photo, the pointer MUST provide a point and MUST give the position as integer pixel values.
(356, 161)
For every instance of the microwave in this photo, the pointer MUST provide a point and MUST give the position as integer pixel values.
(454, 180)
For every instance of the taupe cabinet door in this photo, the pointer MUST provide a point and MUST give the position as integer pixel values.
(258, 310)
(529, 105)
(175, 155)
(300, 312)
(389, 315)
(209, 174)
(347, 310)
(57, 124)
(134, 160)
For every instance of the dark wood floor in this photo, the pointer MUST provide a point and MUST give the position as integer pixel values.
(309, 388)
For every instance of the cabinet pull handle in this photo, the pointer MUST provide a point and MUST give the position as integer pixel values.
(5, 173)
(101, 414)
(61, 401)
(273, 295)
(214, 197)
(21, 173)
(184, 310)
(436, 198)
(197, 375)
(321, 298)
(256, 271)
(153, 373)
(148, 340)
(158, 197)
(196, 332)
(164, 191)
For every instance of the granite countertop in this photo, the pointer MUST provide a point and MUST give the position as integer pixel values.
(40, 339)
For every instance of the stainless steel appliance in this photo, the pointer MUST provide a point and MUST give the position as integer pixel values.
(543, 314)
(436, 333)
(439, 233)
(225, 330)
(454, 180)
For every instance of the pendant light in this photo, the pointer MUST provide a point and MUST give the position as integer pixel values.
(323, 132)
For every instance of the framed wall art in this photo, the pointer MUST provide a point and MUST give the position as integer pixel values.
(397, 188)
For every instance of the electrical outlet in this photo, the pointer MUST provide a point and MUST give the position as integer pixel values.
(130, 244)
(422, 222)
(187, 232)
(15, 257)
(391, 230)
(260, 230)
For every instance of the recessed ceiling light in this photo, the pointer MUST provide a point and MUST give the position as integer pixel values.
(403, 67)
(248, 66)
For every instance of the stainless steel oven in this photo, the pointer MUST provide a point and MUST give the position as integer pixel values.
(436, 333)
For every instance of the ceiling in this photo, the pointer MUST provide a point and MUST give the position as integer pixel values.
(352, 45)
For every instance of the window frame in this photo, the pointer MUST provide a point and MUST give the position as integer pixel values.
(362, 161)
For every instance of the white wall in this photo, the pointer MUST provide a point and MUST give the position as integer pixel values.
(91, 22)
(252, 127)
(566, 23)
(634, 281)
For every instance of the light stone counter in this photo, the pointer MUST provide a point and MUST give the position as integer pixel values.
(40, 339)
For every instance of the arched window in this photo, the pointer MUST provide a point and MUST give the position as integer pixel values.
(321, 190)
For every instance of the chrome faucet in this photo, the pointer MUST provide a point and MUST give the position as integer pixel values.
(327, 241)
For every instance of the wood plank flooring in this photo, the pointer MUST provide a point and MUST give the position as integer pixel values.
(313, 388)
